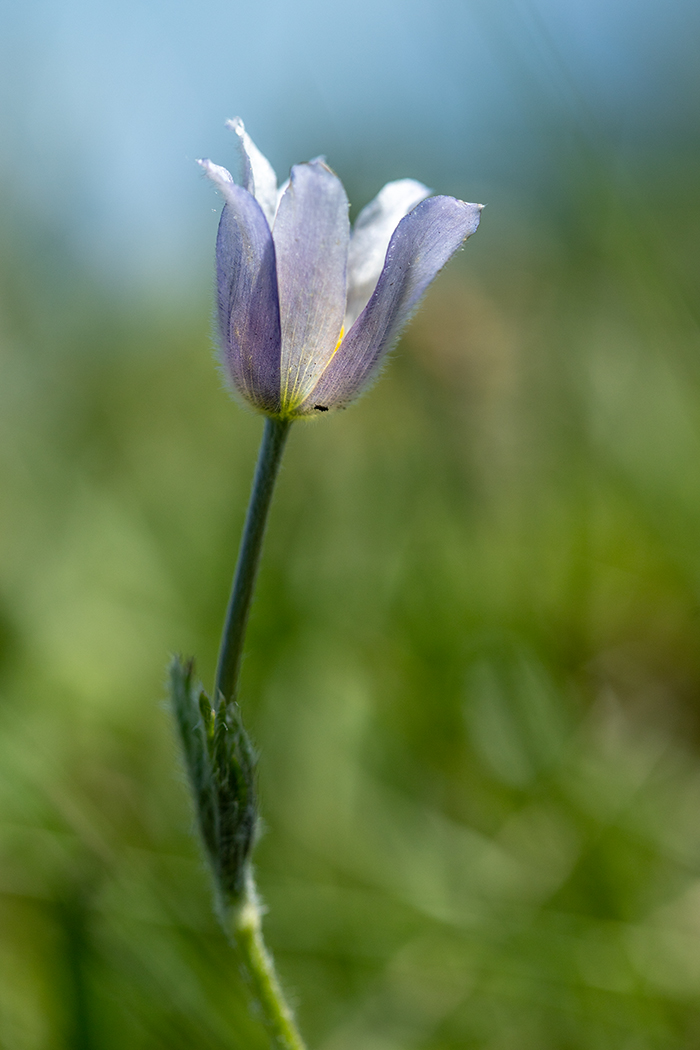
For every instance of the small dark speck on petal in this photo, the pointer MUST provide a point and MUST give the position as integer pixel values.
(321, 408)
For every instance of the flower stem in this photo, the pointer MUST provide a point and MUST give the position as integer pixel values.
(243, 921)
(231, 652)
(260, 972)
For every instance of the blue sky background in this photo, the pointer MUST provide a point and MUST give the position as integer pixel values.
(104, 106)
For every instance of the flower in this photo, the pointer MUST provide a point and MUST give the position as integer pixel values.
(307, 309)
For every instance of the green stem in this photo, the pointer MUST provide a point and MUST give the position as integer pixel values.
(244, 921)
(231, 652)
(261, 975)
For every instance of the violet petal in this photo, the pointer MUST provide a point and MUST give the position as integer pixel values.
(311, 235)
(247, 302)
(421, 245)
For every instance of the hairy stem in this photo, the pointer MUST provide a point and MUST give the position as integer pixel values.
(245, 927)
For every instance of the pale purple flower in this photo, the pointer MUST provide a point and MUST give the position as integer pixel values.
(307, 308)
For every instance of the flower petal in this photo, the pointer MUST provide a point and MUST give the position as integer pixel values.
(311, 235)
(370, 239)
(247, 302)
(258, 174)
(421, 245)
(222, 179)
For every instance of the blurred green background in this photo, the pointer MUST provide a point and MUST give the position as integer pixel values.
(473, 670)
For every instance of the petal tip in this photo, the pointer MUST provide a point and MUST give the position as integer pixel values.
(474, 213)
(321, 162)
(222, 179)
(236, 125)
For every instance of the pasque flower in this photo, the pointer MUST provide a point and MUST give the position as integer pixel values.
(307, 308)
(306, 312)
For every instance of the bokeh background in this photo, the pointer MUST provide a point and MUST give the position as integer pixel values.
(473, 670)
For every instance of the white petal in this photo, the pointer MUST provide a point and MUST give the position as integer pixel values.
(259, 175)
(370, 239)
(222, 179)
